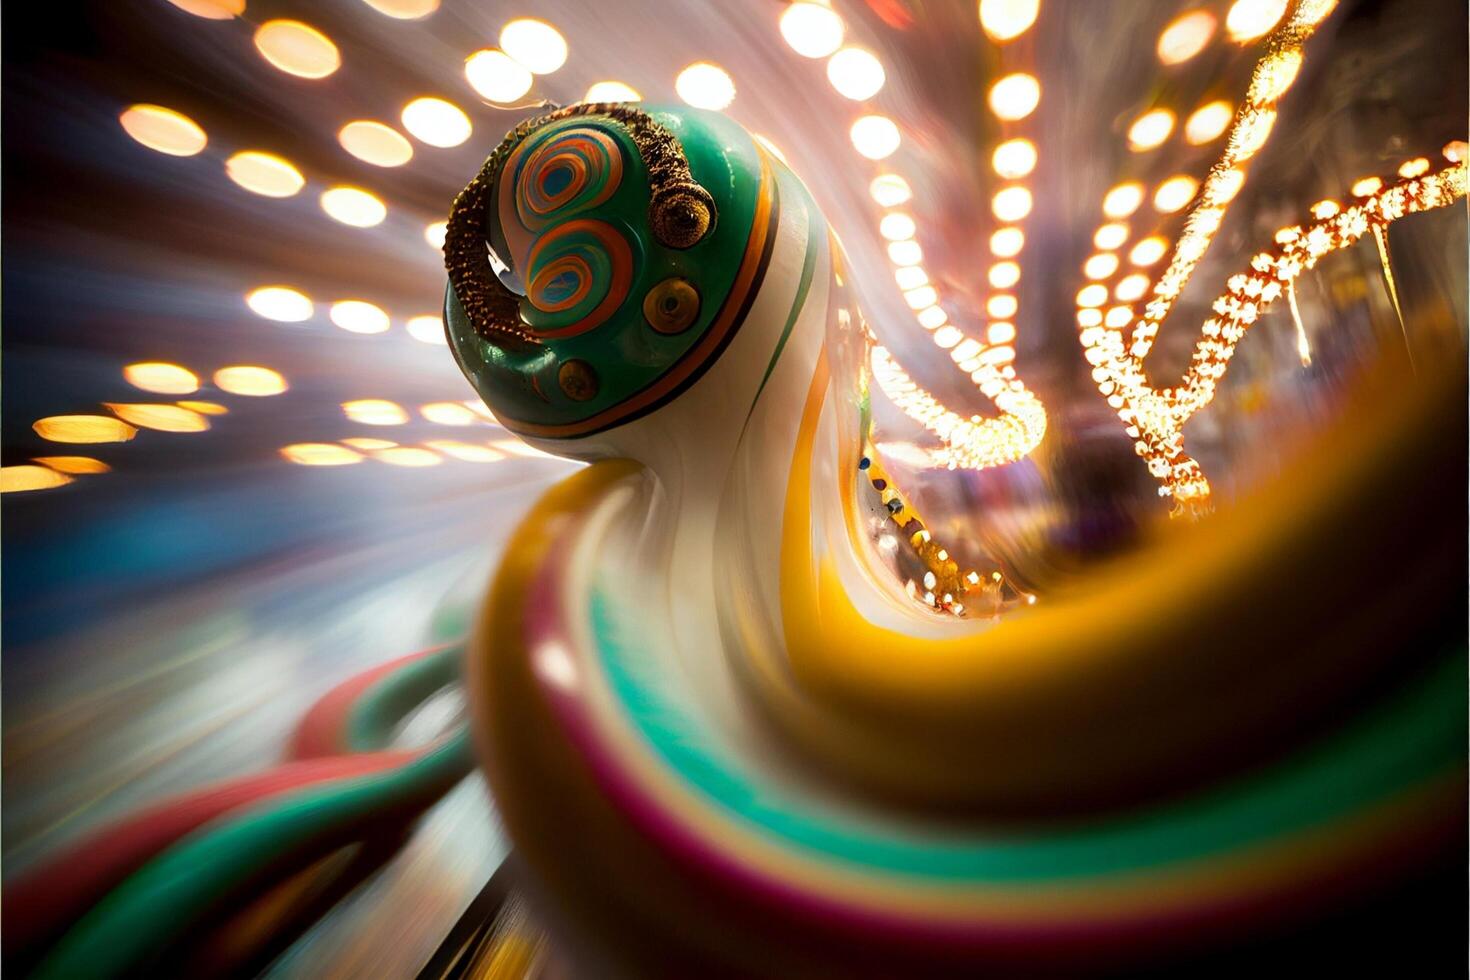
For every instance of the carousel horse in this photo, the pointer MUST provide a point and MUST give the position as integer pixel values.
(726, 741)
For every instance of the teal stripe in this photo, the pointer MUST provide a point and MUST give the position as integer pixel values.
(1416, 737)
(372, 720)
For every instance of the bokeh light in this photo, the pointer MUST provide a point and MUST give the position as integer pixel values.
(376, 143)
(813, 30)
(855, 73)
(297, 49)
(161, 378)
(165, 130)
(1006, 20)
(281, 303)
(1186, 36)
(436, 122)
(497, 76)
(535, 44)
(250, 379)
(265, 174)
(1015, 96)
(611, 91)
(354, 206)
(875, 137)
(359, 316)
(705, 86)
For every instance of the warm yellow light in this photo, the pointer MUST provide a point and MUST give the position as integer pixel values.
(910, 277)
(1132, 287)
(1150, 129)
(1207, 122)
(1100, 266)
(249, 379)
(932, 318)
(1249, 19)
(211, 9)
(535, 44)
(705, 86)
(163, 418)
(1089, 317)
(1186, 36)
(436, 122)
(875, 137)
(264, 173)
(1007, 243)
(890, 190)
(1416, 167)
(160, 377)
(855, 73)
(1323, 210)
(1002, 306)
(1274, 75)
(297, 49)
(359, 316)
(427, 329)
(1004, 275)
(921, 298)
(435, 232)
(1123, 200)
(448, 413)
(813, 30)
(83, 429)
(1000, 333)
(409, 456)
(1148, 251)
(1455, 151)
(402, 9)
(612, 92)
(163, 129)
(1110, 236)
(353, 206)
(368, 443)
(1006, 20)
(1015, 96)
(897, 227)
(376, 143)
(375, 411)
(1014, 159)
(1366, 187)
(1228, 185)
(204, 408)
(1118, 317)
(16, 479)
(1093, 295)
(466, 451)
(1011, 204)
(320, 454)
(905, 253)
(74, 464)
(497, 76)
(280, 303)
(1173, 194)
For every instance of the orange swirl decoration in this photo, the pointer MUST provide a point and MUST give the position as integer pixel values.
(572, 171)
(579, 275)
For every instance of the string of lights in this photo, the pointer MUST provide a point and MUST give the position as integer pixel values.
(815, 30)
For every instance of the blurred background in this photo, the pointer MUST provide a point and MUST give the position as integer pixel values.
(241, 465)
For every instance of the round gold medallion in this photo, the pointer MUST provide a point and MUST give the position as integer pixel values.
(578, 381)
(671, 306)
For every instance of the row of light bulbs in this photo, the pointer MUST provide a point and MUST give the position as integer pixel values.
(815, 30)
(1153, 417)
